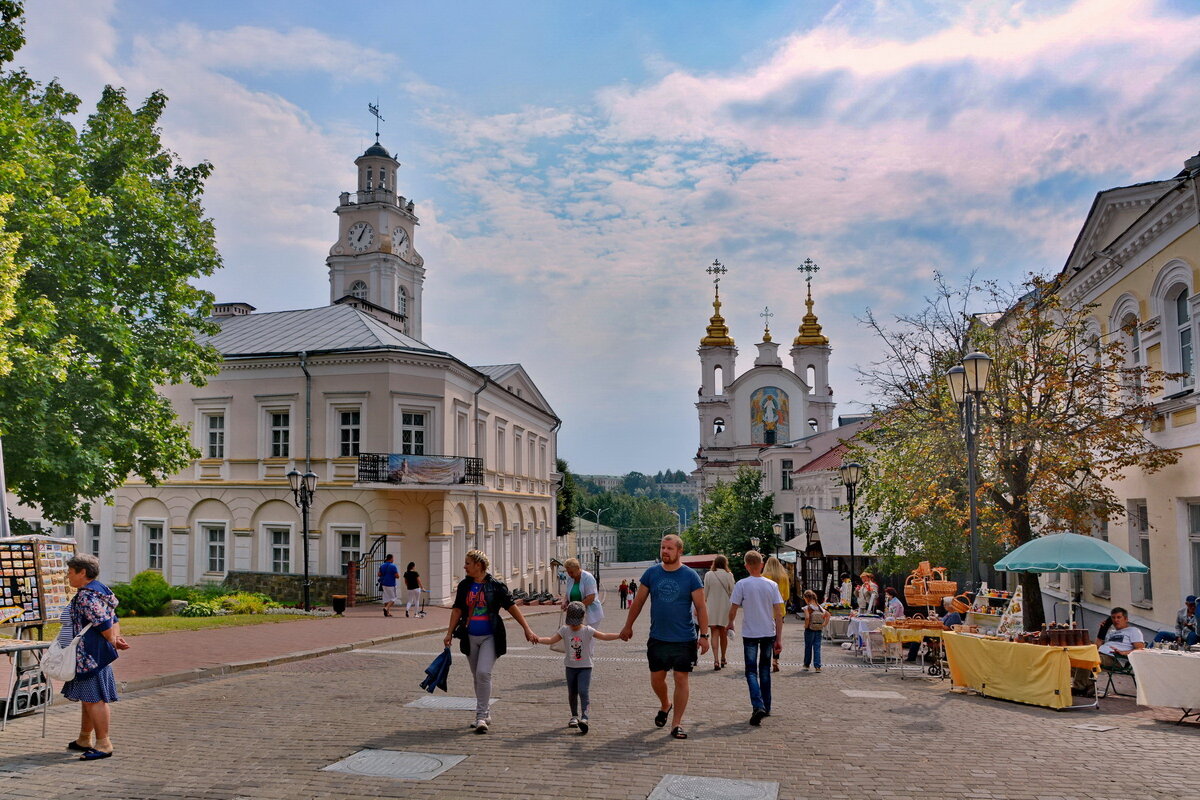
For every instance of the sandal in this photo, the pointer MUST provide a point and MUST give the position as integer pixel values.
(716, 667)
(78, 747)
(724, 663)
(660, 719)
(677, 733)
(94, 755)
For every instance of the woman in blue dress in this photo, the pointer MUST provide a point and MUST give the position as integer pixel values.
(94, 686)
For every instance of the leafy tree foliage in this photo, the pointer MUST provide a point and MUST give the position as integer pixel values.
(108, 231)
(640, 521)
(567, 501)
(1060, 400)
(733, 513)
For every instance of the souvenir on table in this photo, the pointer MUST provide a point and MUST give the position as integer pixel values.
(33, 578)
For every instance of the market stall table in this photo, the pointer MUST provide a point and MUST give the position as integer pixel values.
(857, 629)
(1026, 673)
(899, 636)
(25, 681)
(1169, 679)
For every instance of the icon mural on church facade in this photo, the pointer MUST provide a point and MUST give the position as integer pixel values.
(769, 415)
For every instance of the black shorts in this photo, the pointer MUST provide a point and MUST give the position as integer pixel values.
(677, 656)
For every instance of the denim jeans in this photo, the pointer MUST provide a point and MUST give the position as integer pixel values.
(758, 651)
(812, 648)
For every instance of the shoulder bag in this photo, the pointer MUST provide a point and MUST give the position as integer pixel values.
(59, 661)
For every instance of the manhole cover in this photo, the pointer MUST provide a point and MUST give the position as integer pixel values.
(446, 703)
(694, 787)
(395, 764)
(877, 695)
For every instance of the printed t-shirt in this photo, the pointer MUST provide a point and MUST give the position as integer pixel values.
(1123, 639)
(412, 579)
(671, 602)
(388, 572)
(579, 646)
(478, 621)
(758, 599)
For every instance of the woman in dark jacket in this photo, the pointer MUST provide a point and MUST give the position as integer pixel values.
(94, 686)
(475, 620)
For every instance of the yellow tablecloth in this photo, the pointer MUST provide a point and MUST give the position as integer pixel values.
(893, 635)
(1026, 673)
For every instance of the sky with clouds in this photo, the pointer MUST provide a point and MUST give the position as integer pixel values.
(576, 166)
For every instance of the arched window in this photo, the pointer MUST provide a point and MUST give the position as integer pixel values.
(812, 423)
(718, 380)
(402, 302)
(383, 177)
(368, 179)
(1182, 319)
(810, 377)
(358, 289)
(718, 426)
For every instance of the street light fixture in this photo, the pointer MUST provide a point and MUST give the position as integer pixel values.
(968, 381)
(754, 540)
(851, 474)
(596, 571)
(303, 488)
(809, 515)
(777, 529)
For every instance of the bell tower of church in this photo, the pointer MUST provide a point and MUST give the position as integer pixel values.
(374, 258)
(717, 357)
(810, 360)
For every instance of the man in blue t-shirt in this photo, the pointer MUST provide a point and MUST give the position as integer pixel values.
(388, 573)
(673, 590)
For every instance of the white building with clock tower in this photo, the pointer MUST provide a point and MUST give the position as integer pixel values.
(417, 452)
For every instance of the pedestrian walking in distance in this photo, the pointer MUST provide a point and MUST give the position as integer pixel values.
(623, 591)
(388, 573)
(475, 622)
(815, 620)
(412, 585)
(718, 584)
(762, 631)
(578, 661)
(673, 591)
(775, 571)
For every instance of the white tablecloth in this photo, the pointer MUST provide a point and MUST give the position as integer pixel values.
(857, 629)
(1167, 678)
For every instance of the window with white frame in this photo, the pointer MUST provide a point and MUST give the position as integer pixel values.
(94, 539)
(1139, 520)
(789, 525)
(412, 433)
(1194, 544)
(500, 434)
(402, 302)
(213, 537)
(281, 433)
(785, 475)
(281, 549)
(543, 464)
(1183, 335)
(460, 435)
(215, 435)
(531, 463)
(349, 547)
(358, 289)
(517, 453)
(152, 532)
(481, 439)
(349, 431)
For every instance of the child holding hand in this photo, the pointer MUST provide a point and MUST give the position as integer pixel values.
(578, 661)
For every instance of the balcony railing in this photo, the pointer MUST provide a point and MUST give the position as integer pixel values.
(419, 470)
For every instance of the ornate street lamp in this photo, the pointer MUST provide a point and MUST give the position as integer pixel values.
(851, 474)
(596, 571)
(777, 529)
(968, 382)
(809, 515)
(303, 488)
(754, 540)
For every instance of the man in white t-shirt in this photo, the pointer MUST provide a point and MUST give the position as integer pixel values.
(762, 633)
(1121, 639)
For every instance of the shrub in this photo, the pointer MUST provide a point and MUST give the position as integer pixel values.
(144, 596)
(244, 603)
(197, 609)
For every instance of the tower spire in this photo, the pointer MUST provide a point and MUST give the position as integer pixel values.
(810, 330)
(717, 333)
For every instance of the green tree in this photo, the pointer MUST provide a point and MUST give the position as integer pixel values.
(111, 234)
(567, 500)
(1060, 401)
(733, 513)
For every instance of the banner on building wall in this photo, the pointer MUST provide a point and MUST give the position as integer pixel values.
(426, 469)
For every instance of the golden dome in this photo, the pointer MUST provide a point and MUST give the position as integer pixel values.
(810, 330)
(718, 333)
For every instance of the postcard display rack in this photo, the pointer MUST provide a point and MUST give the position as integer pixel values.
(996, 612)
(33, 591)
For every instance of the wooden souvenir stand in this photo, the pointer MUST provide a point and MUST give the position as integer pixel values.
(33, 591)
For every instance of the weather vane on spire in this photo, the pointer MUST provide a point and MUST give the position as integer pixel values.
(374, 109)
(717, 269)
(810, 268)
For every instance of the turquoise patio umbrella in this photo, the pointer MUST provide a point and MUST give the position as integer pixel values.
(1069, 552)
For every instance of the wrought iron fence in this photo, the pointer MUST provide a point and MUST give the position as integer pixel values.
(368, 570)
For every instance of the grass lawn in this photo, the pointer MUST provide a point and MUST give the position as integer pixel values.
(136, 626)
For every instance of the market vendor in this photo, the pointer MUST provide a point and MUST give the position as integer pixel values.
(1187, 627)
(951, 617)
(868, 594)
(1119, 640)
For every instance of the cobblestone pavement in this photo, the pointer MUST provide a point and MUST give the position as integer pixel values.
(268, 733)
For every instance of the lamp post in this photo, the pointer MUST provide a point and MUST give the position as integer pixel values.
(303, 488)
(851, 474)
(968, 381)
(596, 571)
(809, 515)
(777, 529)
(754, 540)
(596, 532)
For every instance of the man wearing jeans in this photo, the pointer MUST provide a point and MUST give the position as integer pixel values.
(762, 634)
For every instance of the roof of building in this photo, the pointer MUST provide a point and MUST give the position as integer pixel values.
(326, 329)
(377, 150)
(497, 371)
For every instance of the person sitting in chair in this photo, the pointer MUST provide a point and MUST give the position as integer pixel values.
(1187, 627)
(1121, 639)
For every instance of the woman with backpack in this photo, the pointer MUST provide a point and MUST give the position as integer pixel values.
(815, 618)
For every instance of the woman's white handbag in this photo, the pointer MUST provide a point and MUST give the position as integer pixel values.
(59, 662)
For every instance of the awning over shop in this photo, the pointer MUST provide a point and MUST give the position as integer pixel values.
(699, 562)
(833, 528)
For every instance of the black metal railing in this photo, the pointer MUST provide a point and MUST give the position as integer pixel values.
(368, 571)
(426, 470)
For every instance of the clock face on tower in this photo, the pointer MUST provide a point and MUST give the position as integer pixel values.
(400, 241)
(360, 236)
